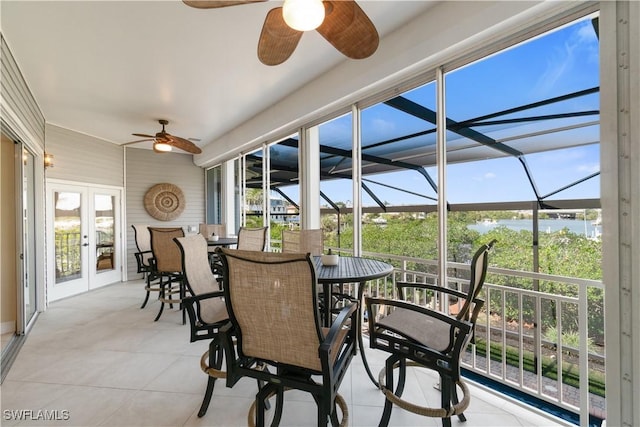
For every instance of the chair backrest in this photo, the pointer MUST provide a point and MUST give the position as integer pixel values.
(208, 229)
(199, 279)
(252, 239)
(165, 250)
(143, 241)
(479, 264)
(271, 300)
(303, 241)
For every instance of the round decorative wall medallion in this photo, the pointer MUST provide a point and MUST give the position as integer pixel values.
(164, 202)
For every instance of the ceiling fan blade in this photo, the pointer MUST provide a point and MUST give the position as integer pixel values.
(212, 4)
(139, 140)
(143, 135)
(277, 40)
(183, 144)
(349, 29)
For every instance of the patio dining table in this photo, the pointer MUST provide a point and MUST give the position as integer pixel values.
(355, 270)
(223, 241)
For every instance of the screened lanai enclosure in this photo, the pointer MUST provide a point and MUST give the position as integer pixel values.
(521, 125)
(502, 145)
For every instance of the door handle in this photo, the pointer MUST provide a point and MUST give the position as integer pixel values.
(85, 244)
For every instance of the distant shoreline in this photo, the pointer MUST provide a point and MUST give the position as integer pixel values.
(576, 226)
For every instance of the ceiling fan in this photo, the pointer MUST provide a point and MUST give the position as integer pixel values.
(164, 142)
(341, 22)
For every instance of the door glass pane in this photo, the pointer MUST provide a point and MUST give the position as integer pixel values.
(214, 195)
(28, 228)
(68, 242)
(104, 226)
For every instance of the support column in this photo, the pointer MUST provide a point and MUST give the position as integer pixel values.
(441, 155)
(309, 167)
(266, 188)
(357, 181)
(228, 196)
(620, 195)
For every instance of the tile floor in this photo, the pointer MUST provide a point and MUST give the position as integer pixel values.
(99, 360)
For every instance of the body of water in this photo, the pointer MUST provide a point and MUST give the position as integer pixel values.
(577, 226)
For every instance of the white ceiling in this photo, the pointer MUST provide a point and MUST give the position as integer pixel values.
(112, 68)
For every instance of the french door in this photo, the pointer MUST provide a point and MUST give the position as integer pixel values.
(85, 238)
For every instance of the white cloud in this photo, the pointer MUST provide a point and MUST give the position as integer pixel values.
(586, 34)
(484, 177)
(561, 61)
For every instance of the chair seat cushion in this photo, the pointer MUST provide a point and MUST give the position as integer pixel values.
(426, 330)
(213, 310)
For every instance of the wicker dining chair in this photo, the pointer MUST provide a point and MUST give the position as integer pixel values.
(303, 241)
(205, 306)
(312, 241)
(272, 303)
(144, 260)
(428, 338)
(252, 239)
(168, 266)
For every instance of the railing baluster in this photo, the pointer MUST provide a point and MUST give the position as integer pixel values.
(521, 341)
(559, 350)
(503, 314)
(538, 346)
(583, 331)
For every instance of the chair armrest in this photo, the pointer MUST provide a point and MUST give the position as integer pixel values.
(434, 288)
(343, 317)
(195, 298)
(192, 305)
(339, 345)
(142, 267)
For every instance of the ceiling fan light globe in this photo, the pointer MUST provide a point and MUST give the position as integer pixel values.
(162, 146)
(303, 15)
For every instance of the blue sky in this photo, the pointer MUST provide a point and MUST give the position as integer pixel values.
(554, 64)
